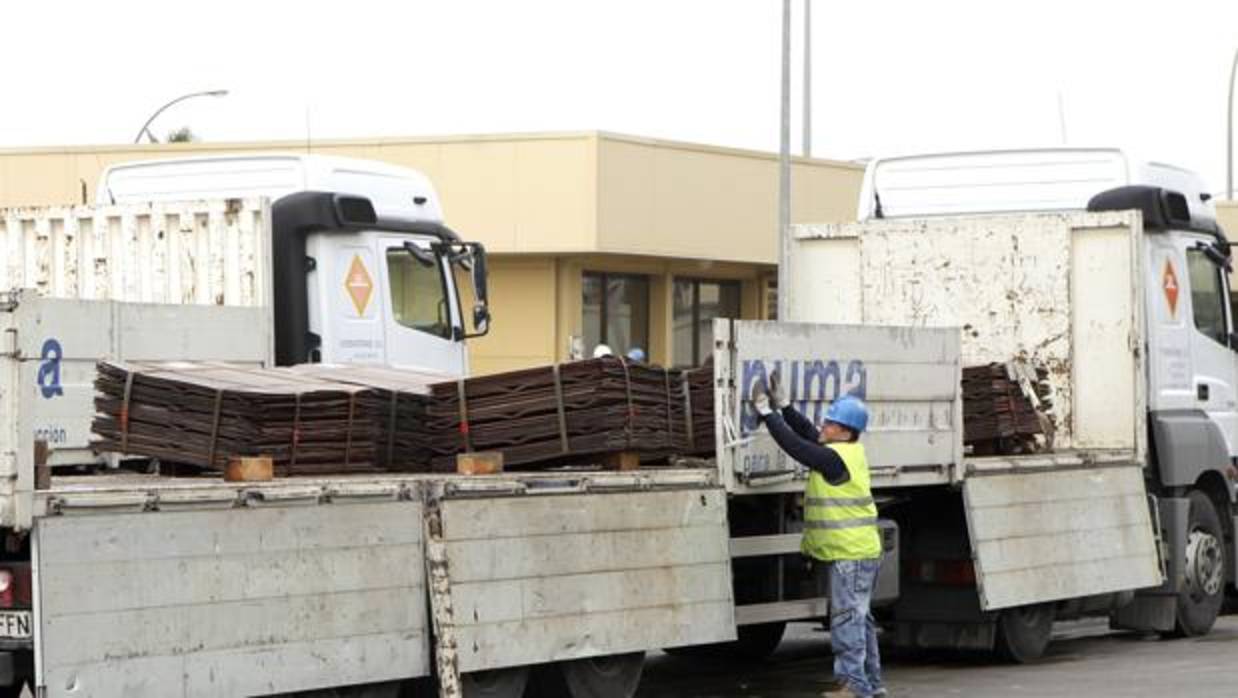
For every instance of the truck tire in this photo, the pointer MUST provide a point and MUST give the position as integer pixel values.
(610, 676)
(1203, 587)
(13, 691)
(1023, 632)
(497, 683)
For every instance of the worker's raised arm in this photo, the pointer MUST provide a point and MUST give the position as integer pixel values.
(799, 423)
(821, 459)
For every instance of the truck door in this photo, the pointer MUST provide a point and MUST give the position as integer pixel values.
(421, 319)
(1209, 323)
(347, 293)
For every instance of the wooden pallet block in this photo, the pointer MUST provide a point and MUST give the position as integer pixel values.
(480, 463)
(42, 471)
(621, 460)
(249, 469)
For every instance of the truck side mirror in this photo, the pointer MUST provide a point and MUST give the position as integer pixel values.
(481, 320)
(481, 307)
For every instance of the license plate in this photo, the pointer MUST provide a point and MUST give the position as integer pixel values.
(15, 625)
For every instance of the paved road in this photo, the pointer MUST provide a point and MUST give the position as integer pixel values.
(1085, 659)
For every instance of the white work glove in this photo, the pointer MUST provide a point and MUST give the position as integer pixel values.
(760, 399)
(777, 394)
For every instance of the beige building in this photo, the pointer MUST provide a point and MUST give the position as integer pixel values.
(1227, 216)
(594, 237)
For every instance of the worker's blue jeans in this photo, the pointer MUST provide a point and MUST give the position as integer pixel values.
(853, 633)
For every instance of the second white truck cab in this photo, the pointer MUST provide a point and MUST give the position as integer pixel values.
(1014, 181)
(1111, 275)
(363, 266)
(1185, 256)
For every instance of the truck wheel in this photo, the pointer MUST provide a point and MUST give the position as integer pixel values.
(1203, 587)
(611, 676)
(496, 683)
(1024, 632)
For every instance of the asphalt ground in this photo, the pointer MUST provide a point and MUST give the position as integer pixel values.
(1085, 659)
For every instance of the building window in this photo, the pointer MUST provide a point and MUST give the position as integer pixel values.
(615, 311)
(696, 304)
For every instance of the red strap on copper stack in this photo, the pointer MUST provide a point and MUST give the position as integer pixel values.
(464, 417)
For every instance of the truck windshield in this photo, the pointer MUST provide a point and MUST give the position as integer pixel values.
(418, 294)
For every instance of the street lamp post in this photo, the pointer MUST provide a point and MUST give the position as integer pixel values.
(784, 169)
(807, 78)
(146, 126)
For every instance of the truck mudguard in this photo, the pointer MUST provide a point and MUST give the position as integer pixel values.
(1187, 444)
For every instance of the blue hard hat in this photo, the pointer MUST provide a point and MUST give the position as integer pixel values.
(636, 354)
(850, 412)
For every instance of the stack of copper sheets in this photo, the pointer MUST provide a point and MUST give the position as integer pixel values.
(203, 413)
(404, 445)
(323, 419)
(697, 411)
(999, 418)
(561, 414)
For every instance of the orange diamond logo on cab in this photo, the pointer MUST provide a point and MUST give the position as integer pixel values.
(1169, 281)
(359, 285)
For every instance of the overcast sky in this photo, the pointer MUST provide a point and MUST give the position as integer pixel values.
(889, 76)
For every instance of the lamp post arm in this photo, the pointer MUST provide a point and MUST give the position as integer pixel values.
(146, 126)
(1229, 141)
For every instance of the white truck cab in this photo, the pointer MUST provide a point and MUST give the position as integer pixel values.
(396, 192)
(363, 264)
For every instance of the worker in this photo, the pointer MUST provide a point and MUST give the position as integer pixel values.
(636, 355)
(840, 525)
(602, 350)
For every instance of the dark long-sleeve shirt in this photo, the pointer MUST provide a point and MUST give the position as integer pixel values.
(795, 434)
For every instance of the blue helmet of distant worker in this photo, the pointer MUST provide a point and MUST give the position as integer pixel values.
(848, 411)
(636, 354)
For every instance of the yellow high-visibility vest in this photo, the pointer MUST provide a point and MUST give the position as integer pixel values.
(840, 522)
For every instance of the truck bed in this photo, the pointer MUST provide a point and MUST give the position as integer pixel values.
(123, 490)
(151, 586)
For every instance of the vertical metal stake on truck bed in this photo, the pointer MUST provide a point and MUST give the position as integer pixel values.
(438, 581)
